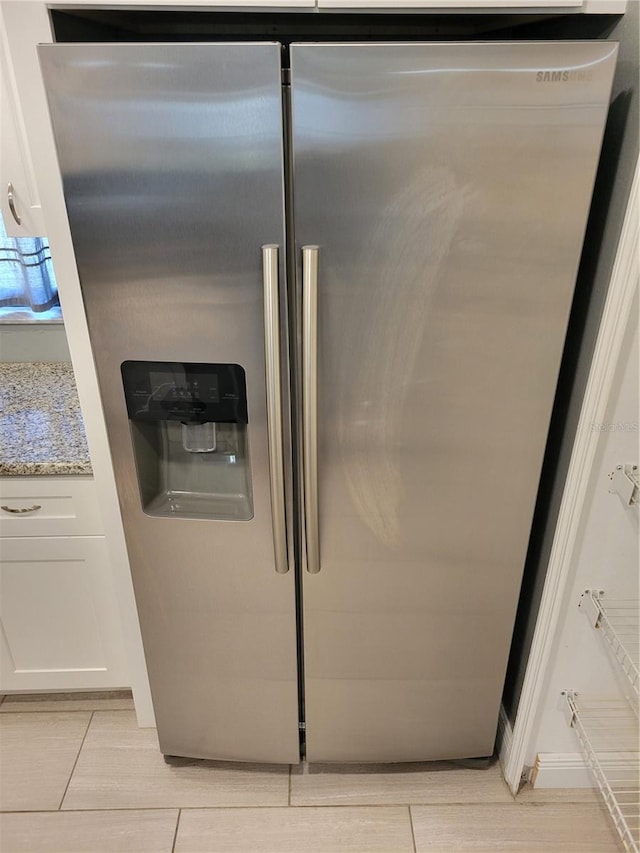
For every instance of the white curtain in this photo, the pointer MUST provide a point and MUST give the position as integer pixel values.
(26, 273)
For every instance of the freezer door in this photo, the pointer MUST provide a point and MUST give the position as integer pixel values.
(171, 159)
(446, 187)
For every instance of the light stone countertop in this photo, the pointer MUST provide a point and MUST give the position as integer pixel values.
(41, 429)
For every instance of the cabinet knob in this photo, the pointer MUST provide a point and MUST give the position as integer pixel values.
(12, 207)
(20, 511)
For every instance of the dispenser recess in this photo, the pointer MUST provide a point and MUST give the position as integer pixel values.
(189, 432)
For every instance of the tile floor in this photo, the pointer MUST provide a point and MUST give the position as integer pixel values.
(78, 776)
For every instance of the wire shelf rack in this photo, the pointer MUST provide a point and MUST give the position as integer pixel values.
(618, 623)
(609, 737)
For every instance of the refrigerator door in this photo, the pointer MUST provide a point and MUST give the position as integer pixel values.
(171, 158)
(447, 188)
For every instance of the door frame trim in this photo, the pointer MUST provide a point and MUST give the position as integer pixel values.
(617, 311)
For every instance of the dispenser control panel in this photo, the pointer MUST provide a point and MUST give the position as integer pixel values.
(186, 392)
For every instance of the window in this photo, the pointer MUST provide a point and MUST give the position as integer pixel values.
(28, 290)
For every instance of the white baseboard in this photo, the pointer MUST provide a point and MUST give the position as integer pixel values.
(561, 770)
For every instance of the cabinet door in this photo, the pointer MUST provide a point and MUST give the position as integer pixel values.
(59, 624)
(463, 5)
(16, 170)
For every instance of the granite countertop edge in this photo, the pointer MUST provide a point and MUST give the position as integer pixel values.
(43, 469)
(41, 428)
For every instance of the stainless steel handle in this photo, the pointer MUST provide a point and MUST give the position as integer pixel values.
(310, 403)
(11, 196)
(274, 404)
(20, 511)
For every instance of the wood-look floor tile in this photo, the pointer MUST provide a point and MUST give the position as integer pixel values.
(386, 829)
(37, 754)
(437, 782)
(150, 831)
(521, 828)
(121, 766)
(558, 795)
(112, 700)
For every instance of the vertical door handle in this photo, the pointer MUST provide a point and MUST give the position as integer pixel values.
(274, 404)
(310, 403)
(11, 198)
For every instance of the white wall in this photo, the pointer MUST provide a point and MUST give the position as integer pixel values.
(605, 557)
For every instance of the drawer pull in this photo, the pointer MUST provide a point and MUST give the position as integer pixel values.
(20, 511)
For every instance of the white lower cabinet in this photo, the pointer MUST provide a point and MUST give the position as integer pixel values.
(59, 624)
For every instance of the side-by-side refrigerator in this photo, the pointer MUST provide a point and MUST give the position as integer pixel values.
(327, 318)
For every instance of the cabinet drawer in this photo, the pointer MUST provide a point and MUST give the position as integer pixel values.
(49, 506)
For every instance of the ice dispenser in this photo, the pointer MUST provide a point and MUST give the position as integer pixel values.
(189, 429)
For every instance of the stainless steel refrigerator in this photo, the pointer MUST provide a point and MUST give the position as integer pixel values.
(327, 309)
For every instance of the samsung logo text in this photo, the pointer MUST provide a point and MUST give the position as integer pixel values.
(563, 76)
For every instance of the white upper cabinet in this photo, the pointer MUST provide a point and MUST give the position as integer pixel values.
(587, 6)
(470, 5)
(213, 4)
(19, 198)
